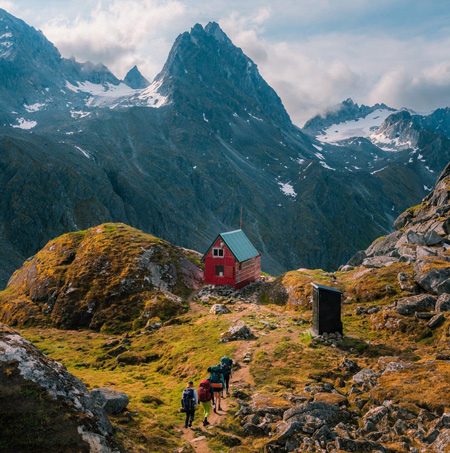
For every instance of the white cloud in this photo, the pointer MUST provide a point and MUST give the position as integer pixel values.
(119, 34)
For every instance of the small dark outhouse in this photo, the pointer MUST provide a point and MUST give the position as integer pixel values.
(326, 309)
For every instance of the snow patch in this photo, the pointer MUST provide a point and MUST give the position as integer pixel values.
(82, 151)
(376, 171)
(319, 148)
(255, 117)
(324, 165)
(205, 119)
(427, 188)
(319, 156)
(287, 189)
(361, 127)
(24, 124)
(33, 107)
(78, 114)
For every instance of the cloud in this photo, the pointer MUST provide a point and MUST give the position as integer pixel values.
(119, 33)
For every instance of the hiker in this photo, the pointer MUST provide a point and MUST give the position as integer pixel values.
(226, 364)
(205, 396)
(217, 383)
(189, 400)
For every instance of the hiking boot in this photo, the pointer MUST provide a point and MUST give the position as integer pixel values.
(220, 408)
(215, 409)
(206, 422)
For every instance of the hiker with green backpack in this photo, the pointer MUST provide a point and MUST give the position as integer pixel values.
(217, 383)
(226, 364)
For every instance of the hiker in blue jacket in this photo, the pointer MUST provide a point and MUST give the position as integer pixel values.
(226, 364)
(189, 400)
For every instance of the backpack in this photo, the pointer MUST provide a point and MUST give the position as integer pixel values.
(187, 399)
(204, 392)
(215, 377)
(226, 363)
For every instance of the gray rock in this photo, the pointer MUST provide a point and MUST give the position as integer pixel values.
(442, 422)
(286, 430)
(235, 333)
(422, 252)
(251, 430)
(433, 238)
(402, 220)
(406, 282)
(385, 245)
(219, 309)
(444, 287)
(357, 258)
(414, 238)
(443, 302)
(375, 414)
(436, 320)
(30, 365)
(430, 277)
(349, 365)
(409, 305)
(312, 412)
(376, 262)
(364, 375)
(346, 268)
(442, 442)
(112, 401)
(358, 445)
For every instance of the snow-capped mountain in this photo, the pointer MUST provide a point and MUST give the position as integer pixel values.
(78, 147)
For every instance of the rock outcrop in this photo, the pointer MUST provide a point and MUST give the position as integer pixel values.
(110, 277)
(43, 405)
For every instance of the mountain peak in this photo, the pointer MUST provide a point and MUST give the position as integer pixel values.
(135, 79)
(204, 65)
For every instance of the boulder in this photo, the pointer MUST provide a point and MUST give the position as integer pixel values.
(346, 268)
(422, 252)
(442, 442)
(375, 414)
(235, 333)
(219, 309)
(251, 430)
(402, 220)
(408, 305)
(285, 430)
(414, 238)
(376, 262)
(436, 320)
(263, 404)
(39, 395)
(433, 238)
(357, 258)
(315, 411)
(430, 272)
(112, 401)
(406, 282)
(364, 375)
(385, 245)
(443, 302)
(357, 445)
(444, 287)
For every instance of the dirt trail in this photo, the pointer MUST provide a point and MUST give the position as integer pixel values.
(196, 436)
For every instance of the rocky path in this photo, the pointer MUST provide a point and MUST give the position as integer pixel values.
(196, 436)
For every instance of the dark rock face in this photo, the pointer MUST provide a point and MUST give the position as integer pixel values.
(34, 385)
(412, 304)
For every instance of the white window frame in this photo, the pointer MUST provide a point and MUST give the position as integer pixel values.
(218, 254)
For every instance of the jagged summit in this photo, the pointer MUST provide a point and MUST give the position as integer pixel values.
(205, 67)
(135, 79)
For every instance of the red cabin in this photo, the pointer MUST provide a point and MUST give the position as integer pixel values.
(232, 260)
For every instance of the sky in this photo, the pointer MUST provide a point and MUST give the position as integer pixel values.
(314, 53)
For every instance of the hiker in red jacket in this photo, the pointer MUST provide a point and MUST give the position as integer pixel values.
(205, 396)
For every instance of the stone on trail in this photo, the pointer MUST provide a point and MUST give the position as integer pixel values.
(238, 332)
(364, 375)
(219, 309)
(443, 302)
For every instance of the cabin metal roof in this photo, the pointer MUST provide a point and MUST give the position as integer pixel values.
(239, 245)
(326, 288)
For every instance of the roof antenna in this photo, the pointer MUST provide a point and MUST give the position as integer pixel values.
(240, 224)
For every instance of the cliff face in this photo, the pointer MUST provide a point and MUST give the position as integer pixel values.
(106, 277)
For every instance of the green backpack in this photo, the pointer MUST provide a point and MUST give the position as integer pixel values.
(226, 365)
(216, 373)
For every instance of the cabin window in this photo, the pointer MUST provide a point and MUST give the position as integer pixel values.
(246, 264)
(218, 253)
(219, 271)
